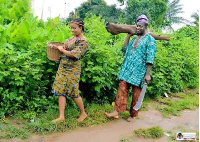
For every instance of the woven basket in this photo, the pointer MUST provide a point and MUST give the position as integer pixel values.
(53, 54)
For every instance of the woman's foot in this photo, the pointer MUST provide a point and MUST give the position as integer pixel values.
(82, 117)
(114, 114)
(58, 119)
(130, 119)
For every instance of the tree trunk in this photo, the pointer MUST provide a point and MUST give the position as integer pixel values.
(115, 29)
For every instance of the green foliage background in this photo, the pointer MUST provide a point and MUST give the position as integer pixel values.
(26, 75)
(153, 9)
(97, 7)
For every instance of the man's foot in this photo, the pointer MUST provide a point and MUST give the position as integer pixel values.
(58, 119)
(130, 119)
(82, 117)
(114, 114)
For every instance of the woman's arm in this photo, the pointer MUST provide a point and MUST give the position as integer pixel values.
(67, 53)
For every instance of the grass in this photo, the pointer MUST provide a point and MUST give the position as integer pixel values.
(156, 133)
(20, 126)
(152, 133)
(42, 122)
(170, 106)
(8, 131)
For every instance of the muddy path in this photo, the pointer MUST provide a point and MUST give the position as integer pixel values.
(120, 128)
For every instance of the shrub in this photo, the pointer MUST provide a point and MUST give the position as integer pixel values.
(26, 75)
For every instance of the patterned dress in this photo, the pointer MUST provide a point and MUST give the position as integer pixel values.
(133, 68)
(68, 75)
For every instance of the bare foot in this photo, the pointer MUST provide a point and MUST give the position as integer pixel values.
(82, 117)
(130, 119)
(114, 114)
(58, 119)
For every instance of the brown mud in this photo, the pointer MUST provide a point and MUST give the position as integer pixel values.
(120, 128)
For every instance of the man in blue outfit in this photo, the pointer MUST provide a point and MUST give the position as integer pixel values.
(135, 69)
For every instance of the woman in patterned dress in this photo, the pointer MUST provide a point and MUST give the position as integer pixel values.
(68, 75)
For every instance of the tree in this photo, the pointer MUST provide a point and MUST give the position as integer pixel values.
(153, 9)
(109, 13)
(97, 7)
(174, 8)
(195, 16)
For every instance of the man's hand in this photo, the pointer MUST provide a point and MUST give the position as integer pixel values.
(129, 34)
(147, 78)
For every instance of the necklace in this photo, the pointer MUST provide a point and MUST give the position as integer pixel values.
(137, 40)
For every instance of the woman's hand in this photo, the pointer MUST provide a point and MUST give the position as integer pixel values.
(60, 48)
(52, 46)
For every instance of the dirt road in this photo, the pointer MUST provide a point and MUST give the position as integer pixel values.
(115, 131)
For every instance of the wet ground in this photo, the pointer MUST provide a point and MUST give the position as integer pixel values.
(120, 128)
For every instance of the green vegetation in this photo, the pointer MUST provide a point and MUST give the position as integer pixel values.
(26, 75)
(154, 9)
(24, 123)
(98, 8)
(177, 102)
(171, 72)
(153, 133)
(174, 8)
(8, 131)
(195, 16)
(41, 124)
(13, 132)
(162, 13)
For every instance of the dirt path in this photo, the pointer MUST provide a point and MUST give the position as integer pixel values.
(113, 132)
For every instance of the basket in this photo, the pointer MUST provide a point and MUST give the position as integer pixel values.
(53, 54)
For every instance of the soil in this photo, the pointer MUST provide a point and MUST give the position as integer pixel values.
(188, 121)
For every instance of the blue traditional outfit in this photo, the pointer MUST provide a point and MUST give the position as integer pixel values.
(133, 70)
(133, 67)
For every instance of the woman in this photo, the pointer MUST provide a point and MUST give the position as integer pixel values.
(68, 75)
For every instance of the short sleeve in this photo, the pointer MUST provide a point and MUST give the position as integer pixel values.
(80, 49)
(151, 51)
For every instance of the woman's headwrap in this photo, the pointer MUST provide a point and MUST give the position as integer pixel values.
(143, 19)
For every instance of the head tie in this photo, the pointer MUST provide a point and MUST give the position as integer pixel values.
(143, 19)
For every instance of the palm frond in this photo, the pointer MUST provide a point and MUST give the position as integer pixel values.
(173, 10)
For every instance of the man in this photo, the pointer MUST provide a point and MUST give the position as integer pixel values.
(138, 60)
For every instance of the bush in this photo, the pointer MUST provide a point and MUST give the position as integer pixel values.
(176, 63)
(101, 65)
(26, 75)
